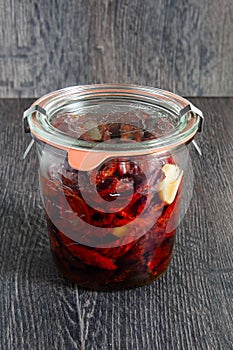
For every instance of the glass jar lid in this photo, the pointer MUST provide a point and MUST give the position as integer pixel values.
(112, 120)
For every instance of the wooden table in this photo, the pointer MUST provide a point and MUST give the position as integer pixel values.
(190, 307)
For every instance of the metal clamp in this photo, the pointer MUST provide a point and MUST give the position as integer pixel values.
(191, 108)
(32, 109)
(35, 108)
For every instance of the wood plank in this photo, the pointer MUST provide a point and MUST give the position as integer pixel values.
(182, 46)
(190, 307)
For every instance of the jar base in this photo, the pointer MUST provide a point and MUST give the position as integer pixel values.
(110, 287)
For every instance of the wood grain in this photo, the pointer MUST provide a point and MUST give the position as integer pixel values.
(182, 46)
(190, 307)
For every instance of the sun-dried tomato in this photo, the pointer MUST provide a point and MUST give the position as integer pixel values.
(88, 256)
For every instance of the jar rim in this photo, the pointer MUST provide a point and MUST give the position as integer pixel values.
(41, 111)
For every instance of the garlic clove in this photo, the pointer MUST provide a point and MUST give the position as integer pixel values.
(168, 187)
(119, 231)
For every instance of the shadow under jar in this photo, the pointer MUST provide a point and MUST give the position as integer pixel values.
(113, 163)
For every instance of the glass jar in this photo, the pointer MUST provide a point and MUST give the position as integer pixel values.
(113, 167)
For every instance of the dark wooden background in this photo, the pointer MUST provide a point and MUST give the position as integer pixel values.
(180, 45)
(189, 308)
